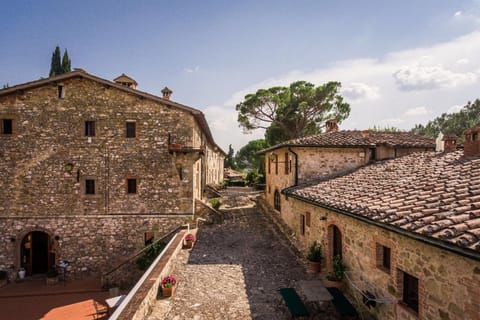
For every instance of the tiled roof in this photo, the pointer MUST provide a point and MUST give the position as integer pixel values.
(357, 138)
(433, 195)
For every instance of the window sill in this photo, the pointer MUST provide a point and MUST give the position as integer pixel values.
(405, 312)
(385, 270)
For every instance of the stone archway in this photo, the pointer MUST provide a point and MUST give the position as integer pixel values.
(36, 252)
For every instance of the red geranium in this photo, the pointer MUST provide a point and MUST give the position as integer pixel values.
(189, 237)
(169, 281)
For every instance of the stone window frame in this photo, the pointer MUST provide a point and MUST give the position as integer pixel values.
(287, 169)
(13, 126)
(127, 185)
(420, 292)
(277, 200)
(95, 186)
(378, 244)
(303, 226)
(88, 126)
(61, 91)
(127, 122)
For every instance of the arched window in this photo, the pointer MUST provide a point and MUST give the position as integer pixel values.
(336, 242)
(276, 200)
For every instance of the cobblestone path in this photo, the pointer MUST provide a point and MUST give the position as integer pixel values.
(234, 271)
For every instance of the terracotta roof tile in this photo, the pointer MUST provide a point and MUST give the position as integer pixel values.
(357, 138)
(432, 194)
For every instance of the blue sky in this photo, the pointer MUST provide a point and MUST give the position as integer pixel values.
(400, 62)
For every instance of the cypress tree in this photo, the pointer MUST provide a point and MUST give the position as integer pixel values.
(66, 63)
(55, 66)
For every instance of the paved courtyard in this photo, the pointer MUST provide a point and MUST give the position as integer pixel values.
(235, 270)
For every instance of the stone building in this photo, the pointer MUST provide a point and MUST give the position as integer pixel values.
(91, 170)
(309, 158)
(408, 230)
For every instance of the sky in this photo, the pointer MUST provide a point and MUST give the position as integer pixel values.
(400, 62)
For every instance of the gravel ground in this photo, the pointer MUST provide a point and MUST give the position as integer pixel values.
(234, 270)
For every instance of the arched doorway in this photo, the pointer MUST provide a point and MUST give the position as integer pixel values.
(35, 253)
(276, 200)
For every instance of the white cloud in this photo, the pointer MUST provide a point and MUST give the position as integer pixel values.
(360, 91)
(419, 111)
(192, 70)
(390, 122)
(458, 14)
(463, 61)
(419, 76)
(435, 67)
(454, 109)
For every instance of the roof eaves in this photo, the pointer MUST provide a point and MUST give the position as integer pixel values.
(312, 145)
(429, 240)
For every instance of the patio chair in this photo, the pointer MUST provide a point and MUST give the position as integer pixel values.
(101, 311)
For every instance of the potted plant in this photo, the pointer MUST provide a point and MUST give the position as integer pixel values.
(3, 278)
(168, 286)
(21, 273)
(315, 257)
(335, 278)
(189, 240)
(52, 276)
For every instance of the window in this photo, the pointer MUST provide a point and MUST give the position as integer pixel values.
(337, 242)
(276, 164)
(90, 128)
(307, 219)
(61, 92)
(131, 129)
(302, 224)
(276, 200)
(89, 186)
(269, 165)
(131, 185)
(410, 291)
(148, 238)
(7, 126)
(383, 257)
(287, 171)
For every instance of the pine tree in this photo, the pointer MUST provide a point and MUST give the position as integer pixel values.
(55, 65)
(66, 63)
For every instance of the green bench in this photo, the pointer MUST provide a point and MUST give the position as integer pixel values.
(293, 302)
(343, 306)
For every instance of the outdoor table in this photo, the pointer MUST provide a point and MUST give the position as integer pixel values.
(315, 291)
(115, 301)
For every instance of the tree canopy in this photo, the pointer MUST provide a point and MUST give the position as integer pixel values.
(59, 65)
(229, 161)
(247, 156)
(292, 112)
(449, 123)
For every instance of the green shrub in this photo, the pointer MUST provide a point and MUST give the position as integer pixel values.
(52, 273)
(338, 269)
(315, 252)
(149, 255)
(215, 203)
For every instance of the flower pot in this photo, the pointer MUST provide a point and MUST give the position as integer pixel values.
(21, 273)
(168, 292)
(188, 244)
(52, 280)
(315, 266)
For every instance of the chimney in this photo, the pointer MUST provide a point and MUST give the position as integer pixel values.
(331, 125)
(450, 142)
(471, 142)
(166, 93)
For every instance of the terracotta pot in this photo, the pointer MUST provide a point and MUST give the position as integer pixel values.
(314, 266)
(188, 244)
(168, 292)
(52, 280)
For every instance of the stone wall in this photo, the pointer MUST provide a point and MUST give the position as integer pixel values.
(45, 163)
(448, 283)
(94, 244)
(313, 163)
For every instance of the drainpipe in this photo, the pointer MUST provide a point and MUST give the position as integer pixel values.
(296, 165)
